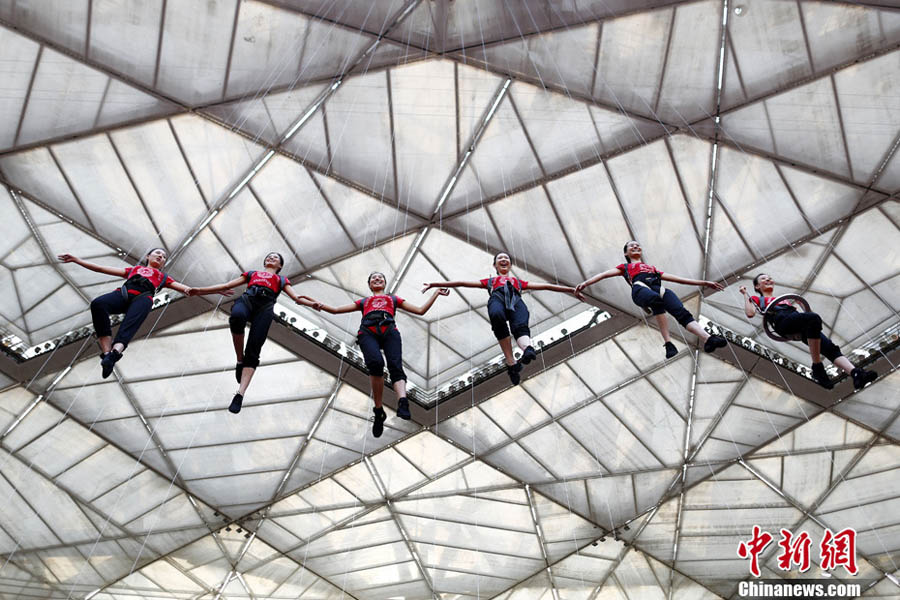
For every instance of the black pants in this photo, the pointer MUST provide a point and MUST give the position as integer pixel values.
(136, 310)
(518, 318)
(649, 298)
(788, 323)
(260, 311)
(372, 344)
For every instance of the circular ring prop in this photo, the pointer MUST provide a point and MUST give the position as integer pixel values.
(794, 300)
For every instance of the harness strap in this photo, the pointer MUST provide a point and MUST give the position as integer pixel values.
(662, 288)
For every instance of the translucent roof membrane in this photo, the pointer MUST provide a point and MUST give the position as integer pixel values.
(419, 139)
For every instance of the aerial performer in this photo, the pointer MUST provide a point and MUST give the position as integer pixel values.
(256, 306)
(134, 299)
(788, 322)
(648, 292)
(507, 311)
(378, 332)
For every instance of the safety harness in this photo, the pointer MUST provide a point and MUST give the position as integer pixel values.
(511, 292)
(261, 290)
(139, 286)
(379, 322)
(632, 283)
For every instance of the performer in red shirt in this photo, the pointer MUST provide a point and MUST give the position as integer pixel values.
(505, 305)
(378, 332)
(648, 292)
(134, 299)
(256, 305)
(787, 322)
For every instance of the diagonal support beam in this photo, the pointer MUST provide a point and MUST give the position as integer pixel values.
(45, 249)
(409, 544)
(261, 161)
(450, 184)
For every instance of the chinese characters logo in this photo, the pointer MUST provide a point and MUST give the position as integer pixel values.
(835, 550)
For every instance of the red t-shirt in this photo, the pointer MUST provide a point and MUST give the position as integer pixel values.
(500, 280)
(265, 279)
(764, 303)
(382, 302)
(154, 276)
(637, 268)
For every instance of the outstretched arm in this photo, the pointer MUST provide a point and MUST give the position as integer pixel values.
(180, 287)
(304, 300)
(215, 289)
(596, 278)
(450, 284)
(676, 279)
(115, 271)
(552, 287)
(335, 310)
(421, 310)
(749, 307)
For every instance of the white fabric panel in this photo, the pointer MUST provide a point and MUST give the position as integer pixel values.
(125, 35)
(65, 97)
(123, 103)
(648, 187)
(502, 159)
(425, 131)
(538, 242)
(821, 200)
(360, 133)
(562, 129)
(330, 50)
(268, 45)
(63, 21)
(767, 41)
(35, 172)
(475, 92)
(861, 30)
(243, 220)
(153, 161)
(218, 158)
(687, 91)
(20, 55)
(563, 58)
(869, 120)
(290, 197)
(632, 52)
(192, 66)
(367, 221)
(98, 179)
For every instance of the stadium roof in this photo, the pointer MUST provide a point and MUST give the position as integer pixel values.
(419, 137)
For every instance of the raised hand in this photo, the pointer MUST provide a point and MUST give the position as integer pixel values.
(577, 293)
(714, 285)
(67, 258)
(743, 290)
(427, 287)
(443, 291)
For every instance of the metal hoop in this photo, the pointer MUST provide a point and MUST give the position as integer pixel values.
(796, 301)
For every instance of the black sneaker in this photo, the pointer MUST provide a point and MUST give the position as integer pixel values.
(403, 409)
(515, 373)
(821, 377)
(713, 342)
(236, 403)
(861, 377)
(528, 355)
(108, 361)
(238, 371)
(378, 423)
(671, 350)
